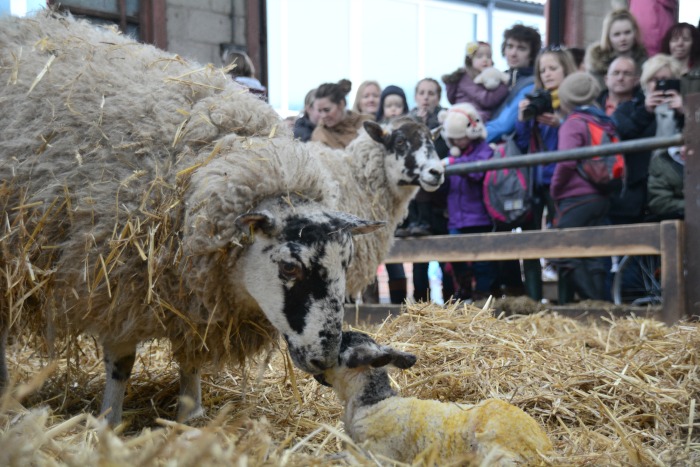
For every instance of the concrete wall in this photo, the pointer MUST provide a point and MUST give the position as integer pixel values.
(197, 30)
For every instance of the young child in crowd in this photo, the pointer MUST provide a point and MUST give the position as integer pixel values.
(477, 83)
(465, 133)
(579, 203)
(392, 104)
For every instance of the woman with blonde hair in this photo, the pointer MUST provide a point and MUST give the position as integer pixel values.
(620, 37)
(367, 98)
(660, 82)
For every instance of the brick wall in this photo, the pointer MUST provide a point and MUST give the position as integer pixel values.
(197, 30)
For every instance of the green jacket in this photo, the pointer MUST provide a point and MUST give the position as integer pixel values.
(690, 82)
(665, 186)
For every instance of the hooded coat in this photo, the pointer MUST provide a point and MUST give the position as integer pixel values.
(573, 133)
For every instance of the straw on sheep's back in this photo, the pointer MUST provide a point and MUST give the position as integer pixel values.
(94, 130)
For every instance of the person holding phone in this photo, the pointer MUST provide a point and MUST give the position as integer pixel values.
(661, 83)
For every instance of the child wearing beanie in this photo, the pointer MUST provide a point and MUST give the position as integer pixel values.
(478, 82)
(392, 104)
(465, 133)
(578, 202)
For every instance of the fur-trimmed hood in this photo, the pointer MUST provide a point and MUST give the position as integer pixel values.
(598, 60)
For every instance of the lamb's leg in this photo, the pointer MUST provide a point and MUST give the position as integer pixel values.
(190, 404)
(119, 360)
(4, 374)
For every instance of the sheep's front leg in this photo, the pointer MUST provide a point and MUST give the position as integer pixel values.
(4, 374)
(190, 404)
(119, 360)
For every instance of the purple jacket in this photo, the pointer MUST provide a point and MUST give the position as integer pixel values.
(573, 133)
(465, 200)
(485, 101)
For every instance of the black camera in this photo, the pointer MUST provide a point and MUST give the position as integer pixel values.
(540, 102)
(668, 84)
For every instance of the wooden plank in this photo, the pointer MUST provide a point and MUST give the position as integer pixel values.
(637, 239)
(691, 189)
(672, 277)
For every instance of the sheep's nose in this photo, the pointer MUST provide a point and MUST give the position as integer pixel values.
(320, 364)
(436, 172)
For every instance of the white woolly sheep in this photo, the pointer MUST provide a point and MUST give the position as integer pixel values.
(492, 432)
(379, 173)
(129, 214)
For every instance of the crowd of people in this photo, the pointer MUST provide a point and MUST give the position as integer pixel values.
(549, 99)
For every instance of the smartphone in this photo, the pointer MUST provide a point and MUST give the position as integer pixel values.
(668, 84)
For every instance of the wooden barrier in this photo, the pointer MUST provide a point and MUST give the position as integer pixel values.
(665, 239)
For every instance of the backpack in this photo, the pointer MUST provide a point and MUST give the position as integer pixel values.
(606, 173)
(508, 192)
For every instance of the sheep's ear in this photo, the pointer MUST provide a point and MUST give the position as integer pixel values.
(262, 220)
(402, 360)
(435, 132)
(357, 226)
(375, 131)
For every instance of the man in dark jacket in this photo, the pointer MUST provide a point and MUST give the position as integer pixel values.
(624, 102)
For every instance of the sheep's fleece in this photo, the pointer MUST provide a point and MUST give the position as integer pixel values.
(407, 429)
(120, 192)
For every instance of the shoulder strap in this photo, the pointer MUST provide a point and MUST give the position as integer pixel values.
(514, 91)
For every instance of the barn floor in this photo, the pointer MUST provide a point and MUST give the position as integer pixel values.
(608, 391)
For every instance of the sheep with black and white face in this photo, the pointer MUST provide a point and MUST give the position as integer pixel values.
(148, 197)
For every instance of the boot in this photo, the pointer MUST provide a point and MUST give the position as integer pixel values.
(371, 293)
(463, 278)
(565, 287)
(533, 278)
(397, 290)
(590, 285)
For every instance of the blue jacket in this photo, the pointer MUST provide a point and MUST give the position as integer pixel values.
(465, 199)
(504, 119)
(550, 140)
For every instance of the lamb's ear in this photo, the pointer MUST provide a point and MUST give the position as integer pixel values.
(262, 220)
(402, 360)
(375, 131)
(368, 354)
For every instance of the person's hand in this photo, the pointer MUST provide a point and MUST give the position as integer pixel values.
(445, 162)
(422, 113)
(654, 99)
(674, 99)
(549, 119)
(521, 107)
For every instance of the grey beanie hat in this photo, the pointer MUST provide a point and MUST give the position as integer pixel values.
(577, 89)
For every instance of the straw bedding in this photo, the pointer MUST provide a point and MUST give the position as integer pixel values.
(608, 392)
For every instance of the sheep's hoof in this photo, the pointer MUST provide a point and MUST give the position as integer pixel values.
(188, 410)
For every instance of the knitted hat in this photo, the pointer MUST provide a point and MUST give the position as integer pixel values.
(389, 90)
(461, 121)
(578, 89)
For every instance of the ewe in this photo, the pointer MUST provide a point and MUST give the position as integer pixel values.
(138, 203)
(407, 429)
(379, 173)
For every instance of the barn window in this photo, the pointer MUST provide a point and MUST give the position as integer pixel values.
(144, 20)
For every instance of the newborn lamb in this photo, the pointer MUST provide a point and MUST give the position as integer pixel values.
(406, 429)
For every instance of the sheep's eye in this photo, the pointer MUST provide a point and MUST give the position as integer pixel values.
(400, 142)
(291, 271)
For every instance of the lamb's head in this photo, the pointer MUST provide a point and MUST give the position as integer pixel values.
(359, 373)
(411, 158)
(295, 269)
